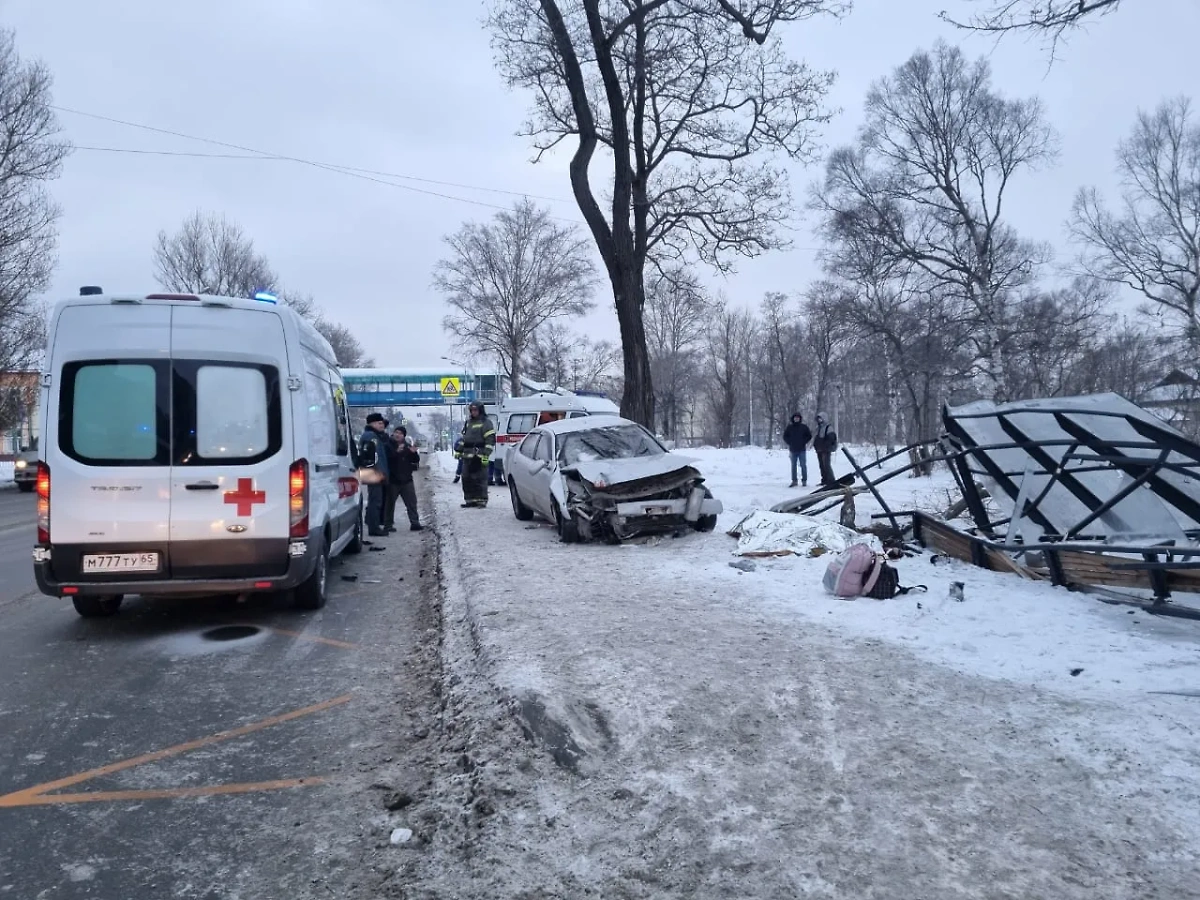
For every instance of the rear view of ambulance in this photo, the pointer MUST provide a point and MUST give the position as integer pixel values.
(192, 445)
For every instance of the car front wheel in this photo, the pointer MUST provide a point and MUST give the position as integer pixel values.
(520, 510)
(568, 528)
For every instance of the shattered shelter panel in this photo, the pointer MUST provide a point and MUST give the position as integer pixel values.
(1087, 467)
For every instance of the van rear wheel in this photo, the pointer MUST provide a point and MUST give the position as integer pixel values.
(98, 607)
(311, 593)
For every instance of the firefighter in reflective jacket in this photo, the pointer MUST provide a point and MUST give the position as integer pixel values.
(475, 449)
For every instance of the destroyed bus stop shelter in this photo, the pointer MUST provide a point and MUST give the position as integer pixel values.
(1095, 480)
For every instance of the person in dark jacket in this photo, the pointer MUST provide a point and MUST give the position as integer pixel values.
(476, 446)
(824, 443)
(403, 460)
(797, 436)
(373, 452)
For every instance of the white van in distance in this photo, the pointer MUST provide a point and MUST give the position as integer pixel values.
(191, 445)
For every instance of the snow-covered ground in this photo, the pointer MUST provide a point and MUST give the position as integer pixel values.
(721, 733)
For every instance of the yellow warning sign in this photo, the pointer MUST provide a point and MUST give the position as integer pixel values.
(450, 387)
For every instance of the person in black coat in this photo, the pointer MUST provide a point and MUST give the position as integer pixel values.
(797, 437)
(403, 460)
(824, 443)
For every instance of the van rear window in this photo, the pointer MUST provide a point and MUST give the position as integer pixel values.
(115, 412)
(522, 423)
(226, 413)
(231, 412)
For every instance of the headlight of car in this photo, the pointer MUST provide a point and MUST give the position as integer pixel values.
(21, 464)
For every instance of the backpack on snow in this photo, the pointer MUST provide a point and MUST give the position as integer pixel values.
(858, 571)
(853, 572)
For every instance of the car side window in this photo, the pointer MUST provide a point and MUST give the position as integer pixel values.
(576, 415)
(545, 449)
(529, 446)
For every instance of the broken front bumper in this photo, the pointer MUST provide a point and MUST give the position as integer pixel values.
(689, 509)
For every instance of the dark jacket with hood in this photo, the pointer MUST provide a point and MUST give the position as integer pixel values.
(797, 434)
(402, 460)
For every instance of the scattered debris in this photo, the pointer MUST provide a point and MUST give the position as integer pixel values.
(401, 836)
(745, 565)
(764, 533)
(1076, 671)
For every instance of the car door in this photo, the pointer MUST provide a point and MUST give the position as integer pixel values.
(233, 443)
(107, 442)
(319, 429)
(543, 470)
(518, 471)
(349, 506)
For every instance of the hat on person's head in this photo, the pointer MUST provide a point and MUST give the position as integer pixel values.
(376, 417)
(400, 429)
(821, 415)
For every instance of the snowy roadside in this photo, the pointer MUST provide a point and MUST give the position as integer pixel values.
(744, 735)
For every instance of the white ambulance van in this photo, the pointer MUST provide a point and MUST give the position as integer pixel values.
(517, 416)
(191, 445)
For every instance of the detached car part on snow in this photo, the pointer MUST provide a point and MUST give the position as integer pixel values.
(607, 478)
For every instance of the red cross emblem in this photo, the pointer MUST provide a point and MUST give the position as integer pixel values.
(245, 496)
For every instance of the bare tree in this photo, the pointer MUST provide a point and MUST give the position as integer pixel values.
(927, 182)
(347, 349)
(1049, 17)
(824, 334)
(211, 255)
(728, 344)
(31, 154)
(785, 358)
(683, 97)
(676, 316)
(509, 278)
(1152, 244)
(551, 351)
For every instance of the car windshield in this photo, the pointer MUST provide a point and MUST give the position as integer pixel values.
(619, 442)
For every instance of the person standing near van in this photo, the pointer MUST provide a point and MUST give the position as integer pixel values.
(824, 443)
(373, 451)
(797, 436)
(478, 442)
(402, 465)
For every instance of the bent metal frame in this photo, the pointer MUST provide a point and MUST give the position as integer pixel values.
(1092, 490)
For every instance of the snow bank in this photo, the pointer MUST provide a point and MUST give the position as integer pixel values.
(745, 734)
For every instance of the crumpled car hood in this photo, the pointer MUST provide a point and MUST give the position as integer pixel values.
(621, 471)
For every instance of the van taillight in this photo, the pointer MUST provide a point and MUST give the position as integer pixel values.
(298, 499)
(43, 503)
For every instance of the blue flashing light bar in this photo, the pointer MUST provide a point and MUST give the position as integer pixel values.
(265, 297)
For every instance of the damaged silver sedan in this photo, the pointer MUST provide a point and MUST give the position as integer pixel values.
(606, 478)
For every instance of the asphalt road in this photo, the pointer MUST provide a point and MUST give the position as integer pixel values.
(149, 756)
(17, 537)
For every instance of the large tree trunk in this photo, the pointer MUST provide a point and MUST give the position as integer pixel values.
(629, 294)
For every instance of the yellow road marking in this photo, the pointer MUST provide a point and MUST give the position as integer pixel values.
(162, 793)
(35, 796)
(300, 635)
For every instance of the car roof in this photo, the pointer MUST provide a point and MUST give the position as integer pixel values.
(583, 423)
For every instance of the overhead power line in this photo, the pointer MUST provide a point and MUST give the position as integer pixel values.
(371, 175)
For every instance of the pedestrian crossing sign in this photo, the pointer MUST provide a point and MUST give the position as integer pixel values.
(451, 387)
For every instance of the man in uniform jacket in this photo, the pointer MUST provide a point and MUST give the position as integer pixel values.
(796, 436)
(373, 450)
(477, 443)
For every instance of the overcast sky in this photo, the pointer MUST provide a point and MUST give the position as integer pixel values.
(408, 88)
